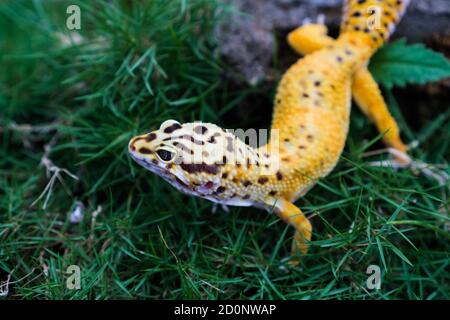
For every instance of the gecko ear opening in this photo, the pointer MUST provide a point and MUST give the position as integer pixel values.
(168, 123)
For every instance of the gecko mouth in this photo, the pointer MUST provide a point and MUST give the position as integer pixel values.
(176, 180)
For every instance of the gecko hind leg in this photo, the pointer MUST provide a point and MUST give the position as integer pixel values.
(310, 37)
(292, 215)
(368, 97)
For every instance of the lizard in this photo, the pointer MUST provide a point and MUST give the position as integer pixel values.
(311, 120)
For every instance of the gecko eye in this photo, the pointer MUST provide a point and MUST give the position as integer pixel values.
(165, 155)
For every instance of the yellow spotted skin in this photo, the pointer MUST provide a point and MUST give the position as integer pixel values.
(309, 127)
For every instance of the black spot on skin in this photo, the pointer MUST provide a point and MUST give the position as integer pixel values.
(137, 139)
(305, 95)
(230, 144)
(201, 143)
(339, 59)
(154, 161)
(272, 193)
(279, 176)
(246, 183)
(133, 148)
(224, 160)
(246, 197)
(200, 129)
(198, 168)
(150, 137)
(286, 159)
(301, 147)
(186, 137)
(145, 150)
(224, 175)
(317, 83)
(348, 52)
(220, 189)
(183, 147)
(357, 28)
(235, 180)
(361, 1)
(263, 180)
(356, 14)
(249, 164)
(172, 128)
(367, 30)
(310, 137)
(212, 139)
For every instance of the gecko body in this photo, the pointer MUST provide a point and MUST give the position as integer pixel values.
(311, 118)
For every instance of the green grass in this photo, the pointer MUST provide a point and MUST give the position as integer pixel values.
(142, 65)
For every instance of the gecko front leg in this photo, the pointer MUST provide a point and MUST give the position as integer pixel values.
(292, 215)
(309, 38)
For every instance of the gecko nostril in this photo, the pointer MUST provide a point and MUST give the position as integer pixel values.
(131, 146)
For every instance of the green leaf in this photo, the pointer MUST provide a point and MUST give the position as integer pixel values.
(398, 64)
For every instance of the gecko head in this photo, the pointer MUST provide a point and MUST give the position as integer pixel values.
(189, 156)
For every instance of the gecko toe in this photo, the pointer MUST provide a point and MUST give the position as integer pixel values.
(320, 19)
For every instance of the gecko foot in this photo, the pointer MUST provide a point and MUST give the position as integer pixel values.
(319, 20)
(288, 263)
(402, 161)
(224, 207)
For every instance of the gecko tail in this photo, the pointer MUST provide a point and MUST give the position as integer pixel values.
(374, 19)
